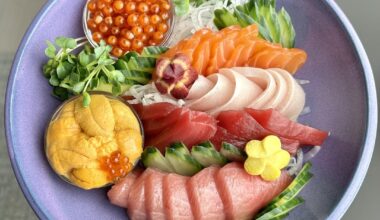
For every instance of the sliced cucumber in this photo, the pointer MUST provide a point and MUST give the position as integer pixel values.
(289, 193)
(282, 210)
(180, 148)
(183, 164)
(300, 181)
(208, 156)
(232, 153)
(207, 144)
(152, 157)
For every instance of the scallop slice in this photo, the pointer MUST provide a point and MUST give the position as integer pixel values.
(244, 92)
(219, 94)
(263, 79)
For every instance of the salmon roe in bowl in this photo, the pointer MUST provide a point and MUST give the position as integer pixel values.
(127, 25)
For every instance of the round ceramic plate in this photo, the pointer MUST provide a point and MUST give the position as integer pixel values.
(341, 96)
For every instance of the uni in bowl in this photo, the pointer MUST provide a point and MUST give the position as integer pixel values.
(92, 147)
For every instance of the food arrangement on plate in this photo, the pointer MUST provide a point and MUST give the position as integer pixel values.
(188, 109)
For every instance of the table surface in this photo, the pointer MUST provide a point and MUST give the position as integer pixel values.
(363, 14)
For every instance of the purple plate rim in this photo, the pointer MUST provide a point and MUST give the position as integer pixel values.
(369, 139)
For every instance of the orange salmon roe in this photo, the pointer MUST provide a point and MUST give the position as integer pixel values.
(116, 165)
(142, 23)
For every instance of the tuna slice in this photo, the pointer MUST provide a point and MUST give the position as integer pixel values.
(282, 126)
(154, 111)
(191, 128)
(213, 193)
(136, 198)
(244, 195)
(241, 124)
(204, 197)
(118, 195)
(154, 197)
(176, 200)
(222, 135)
(153, 127)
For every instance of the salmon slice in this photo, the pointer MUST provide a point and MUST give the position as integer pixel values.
(244, 195)
(136, 199)
(176, 199)
(209, 51)
(119, 193)
(204, 197)
(154, 196)
(296, 62)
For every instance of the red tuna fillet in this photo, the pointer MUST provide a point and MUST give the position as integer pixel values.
(238, 127)
(154, 111)
(118, 194)
(241, 124)
(154, 202)
(204, 197)
(244, 195)
(154, 127)
(279, 124)
(222, 135)
(136, 199)
(191, 128)
(176, 199)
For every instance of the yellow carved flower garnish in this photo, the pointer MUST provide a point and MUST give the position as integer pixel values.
(266, 158)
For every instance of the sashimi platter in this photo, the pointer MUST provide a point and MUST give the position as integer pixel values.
(183, 109)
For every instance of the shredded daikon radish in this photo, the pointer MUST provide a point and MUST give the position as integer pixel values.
(306, 110)
(148, 94)
(296, 168)
(200, 17)
(312, 153)
(302, 81)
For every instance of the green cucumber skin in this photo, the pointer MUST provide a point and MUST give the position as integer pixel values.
(180, 148)
(152, 157)
(289, 194)
(184, 165)
(232, 153)
(207, 144)
(208, 156)
(282, 210)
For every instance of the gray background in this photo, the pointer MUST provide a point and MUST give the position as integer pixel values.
(15, 16)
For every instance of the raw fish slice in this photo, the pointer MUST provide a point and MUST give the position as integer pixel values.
(176, 199)
(154, 111)
(268, 56)
(264, 80)
(298, 60)
(241, 97)
(222, 135)
(202, 53)
(280, 93)
(244, 195)
(294, 101)
(154, 202)
(204, 197)
(188, 129)
(153, 127)
(242, 125)
(275, 122)
(200, 87)
(136, 198)
(119, 193)
(290, 145)
(234, 57)
(215, 44)
(221, 92)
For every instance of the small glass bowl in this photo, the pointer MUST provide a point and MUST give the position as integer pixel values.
(57, 114)
(165, 41)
